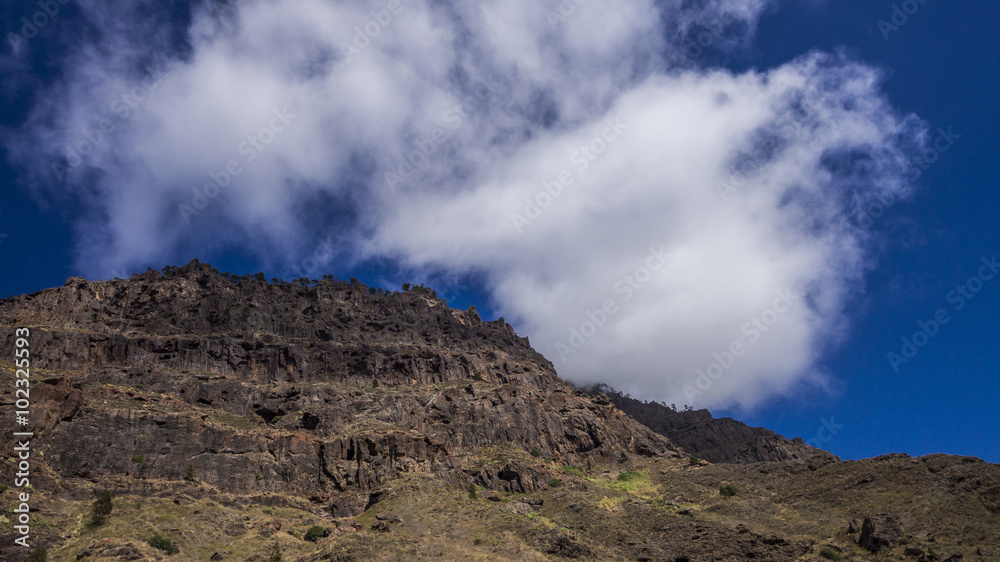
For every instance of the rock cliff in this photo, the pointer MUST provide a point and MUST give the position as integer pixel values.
(327, 390)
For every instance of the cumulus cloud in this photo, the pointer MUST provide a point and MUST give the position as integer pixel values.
(686, 233)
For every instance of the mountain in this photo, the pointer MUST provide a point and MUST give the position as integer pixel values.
(722, 440)
(227, 418)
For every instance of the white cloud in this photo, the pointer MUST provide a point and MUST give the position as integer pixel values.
(507, 100)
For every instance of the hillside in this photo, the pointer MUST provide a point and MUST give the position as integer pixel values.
(720, 440)
(232, 415)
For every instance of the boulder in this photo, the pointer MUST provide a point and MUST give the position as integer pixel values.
(388, 517)
(878, 532)
(519, 508)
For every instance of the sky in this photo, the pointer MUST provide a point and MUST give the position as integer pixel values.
(783, 211)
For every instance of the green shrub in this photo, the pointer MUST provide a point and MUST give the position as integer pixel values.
(101, 509)
(315, 533)
(189, 473)
(472, 491)
(138, 459)
(534, 452)
(631, 475)
(268, 511)
(829, 553)
(38, 555)
(276, 419)
(3, 488)
(555, 482)
(694, 461)
(275, 553)
(574, 470)
(161, 542)
(728, 490)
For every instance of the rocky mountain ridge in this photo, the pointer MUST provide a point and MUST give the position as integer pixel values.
(226, 416)
(324, 389)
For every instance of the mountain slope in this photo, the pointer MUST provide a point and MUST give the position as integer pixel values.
(231, 416)
(719, 440)
(323, 390)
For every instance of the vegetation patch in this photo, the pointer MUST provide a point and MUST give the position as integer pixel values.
(728, 490)
(632, 482)
(101, 509)
(161, 542)
(829, 553)
(632, 475)
(315, 533)
(613, 504)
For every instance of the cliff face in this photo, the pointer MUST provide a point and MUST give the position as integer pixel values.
(722, 440)
(325, 391)
(196, 320)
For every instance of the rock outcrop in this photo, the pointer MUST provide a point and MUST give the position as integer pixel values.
(878, 532)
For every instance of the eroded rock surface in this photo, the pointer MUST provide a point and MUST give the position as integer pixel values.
(328, 390)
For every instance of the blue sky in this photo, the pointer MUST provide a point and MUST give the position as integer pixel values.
(824, 365)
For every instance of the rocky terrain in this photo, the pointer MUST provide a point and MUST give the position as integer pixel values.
(231, 418)
(722, 440)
